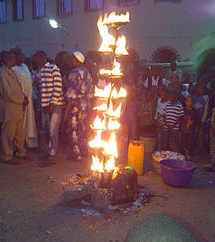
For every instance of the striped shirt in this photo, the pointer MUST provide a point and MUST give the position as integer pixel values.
(173, 113)
(51, 85)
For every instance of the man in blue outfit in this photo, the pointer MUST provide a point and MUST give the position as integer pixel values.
(78, 94)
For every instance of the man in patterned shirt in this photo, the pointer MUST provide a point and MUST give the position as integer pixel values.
(173, 113)
(77, 110)
(51, 102)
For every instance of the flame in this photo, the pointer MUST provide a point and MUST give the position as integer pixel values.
(121, 46)
(108, 40)
(115, 173)
(113, 124)
(106, 97)
(110, 164)
(105, 93)
(114, 72)
(97, 142)
(99, 123)
(114, 18)
(122, 93)
(110, 146)
(102, 107)
(97, 165)
(114, 113)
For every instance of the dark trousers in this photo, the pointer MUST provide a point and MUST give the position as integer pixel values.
(186, 142)
(171, 140)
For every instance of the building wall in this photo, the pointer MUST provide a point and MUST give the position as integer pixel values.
(186, 26)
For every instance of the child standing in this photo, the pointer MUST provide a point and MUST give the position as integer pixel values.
(173, 113)
(200, 103)
(147, 114)
(188, 126)
(159, 117)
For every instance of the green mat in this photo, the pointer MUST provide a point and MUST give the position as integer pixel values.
(159, 228)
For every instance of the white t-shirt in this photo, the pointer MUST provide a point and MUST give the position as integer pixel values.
(160, 107)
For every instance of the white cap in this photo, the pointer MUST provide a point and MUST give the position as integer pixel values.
(79, 56)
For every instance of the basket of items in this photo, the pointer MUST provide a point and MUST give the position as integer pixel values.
(158, 156)
(177, 172)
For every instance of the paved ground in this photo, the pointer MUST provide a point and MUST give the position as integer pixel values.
(31, 208)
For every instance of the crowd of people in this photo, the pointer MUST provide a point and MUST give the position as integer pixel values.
(167, 106)
(173, 109)
(43, 92)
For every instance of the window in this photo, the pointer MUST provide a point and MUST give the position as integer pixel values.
(94, 4)
(128, 2)
(39, 8)
(64, 7)
(18, 10)
(3, 11)
(174, 1)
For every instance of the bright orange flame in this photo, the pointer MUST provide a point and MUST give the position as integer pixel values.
(110, 147)
(105, 93)
(121, 46)
(122, 93)
(110, 164)
(99, 123)
(97, 165)
(113, 124)
(97, 142)
(114, 113)
(114, 18)
(102, 107)
(114, 72)
(115, 173)
(108, 40)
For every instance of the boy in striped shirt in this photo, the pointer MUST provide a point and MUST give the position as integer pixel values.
(173, 114)
(51, 102)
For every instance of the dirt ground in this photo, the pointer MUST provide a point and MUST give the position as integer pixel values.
(31, 207)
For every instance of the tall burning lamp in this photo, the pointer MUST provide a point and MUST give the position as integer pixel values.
(55, 25)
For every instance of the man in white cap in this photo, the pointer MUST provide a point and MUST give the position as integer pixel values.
(79, 56)
(77, 96)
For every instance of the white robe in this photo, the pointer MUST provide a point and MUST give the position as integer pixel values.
(25, 80)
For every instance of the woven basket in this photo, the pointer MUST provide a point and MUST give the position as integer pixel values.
(156, 164)
(156, 160)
